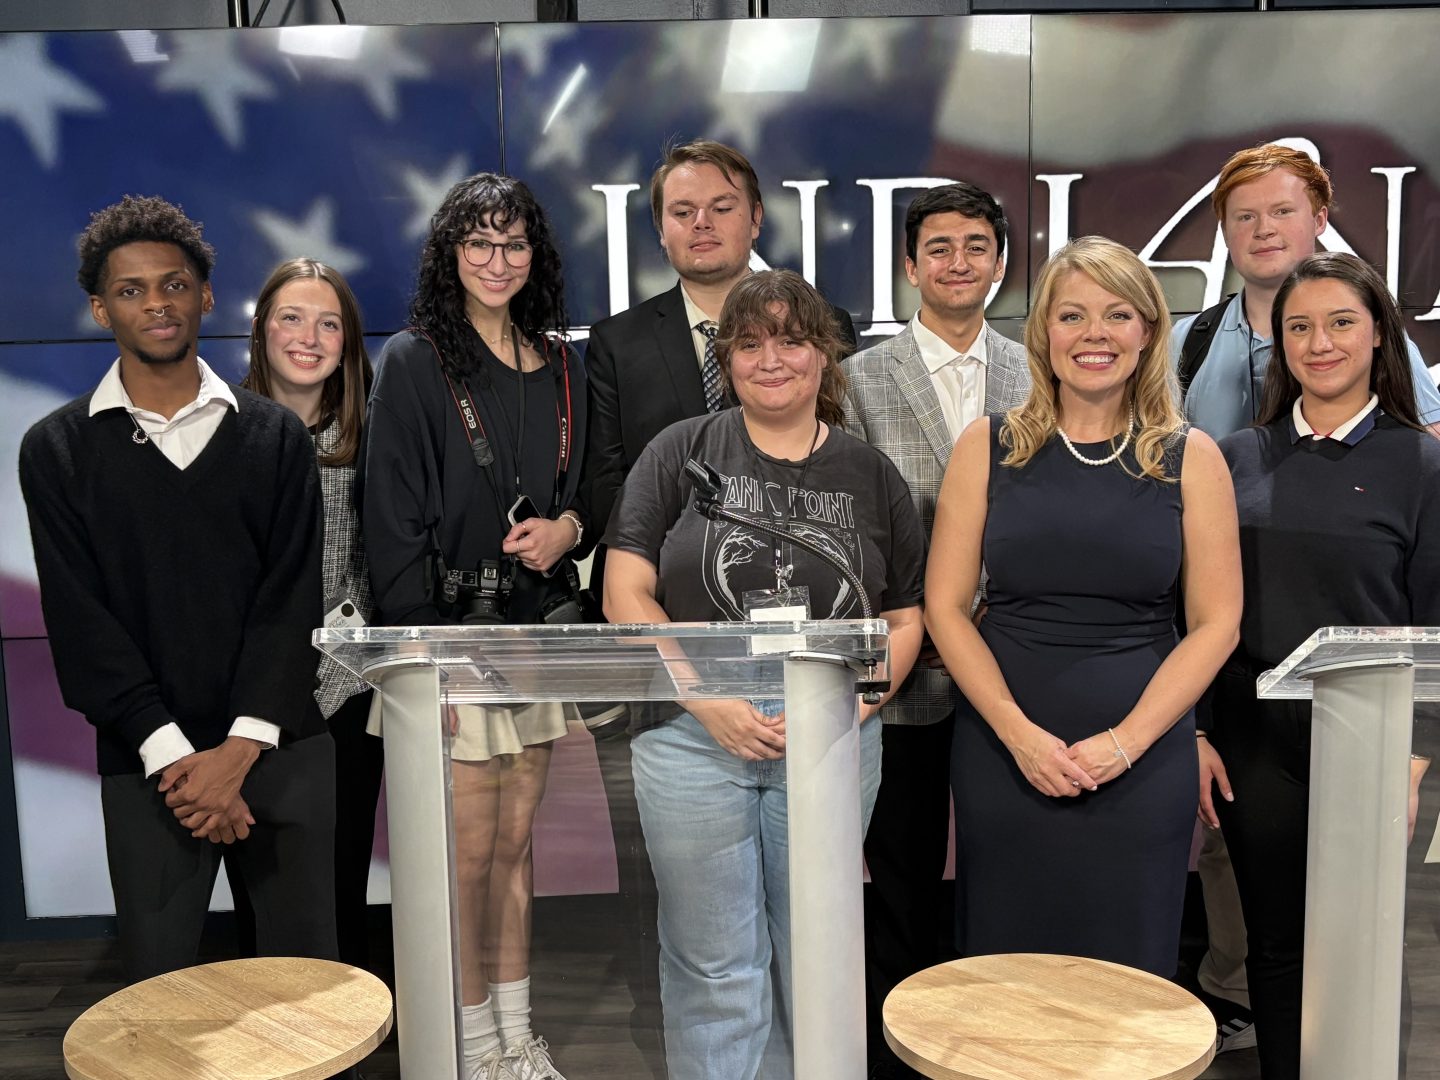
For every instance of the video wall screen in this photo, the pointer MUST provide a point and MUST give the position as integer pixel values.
(339, 142)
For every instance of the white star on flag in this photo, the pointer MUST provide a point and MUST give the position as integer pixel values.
(688, 49)
(741, 116)
(426, 192)
(210, 66)
(567, 135)
(311, 236)
(37, 92)
(529, 43)
(870, 42)
(381, 64)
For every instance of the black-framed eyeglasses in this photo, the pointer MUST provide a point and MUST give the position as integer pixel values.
(478, 252)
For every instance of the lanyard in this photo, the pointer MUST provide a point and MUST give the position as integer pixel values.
(479, 440)
(783, 570)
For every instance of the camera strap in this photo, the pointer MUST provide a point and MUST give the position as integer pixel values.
(479, 440)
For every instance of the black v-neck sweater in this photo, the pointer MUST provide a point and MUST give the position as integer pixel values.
(178, 595)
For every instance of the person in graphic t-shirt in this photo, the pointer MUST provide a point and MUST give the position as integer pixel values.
(710, 781)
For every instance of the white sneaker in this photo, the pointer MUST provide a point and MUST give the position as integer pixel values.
(529, 1059)
(490, 1067)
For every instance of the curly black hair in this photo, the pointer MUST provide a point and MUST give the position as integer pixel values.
(438, 307)
(137, 219)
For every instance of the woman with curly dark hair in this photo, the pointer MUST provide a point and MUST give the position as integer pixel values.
(470, 476)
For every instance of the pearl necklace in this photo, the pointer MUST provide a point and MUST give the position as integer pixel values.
(1129, 426)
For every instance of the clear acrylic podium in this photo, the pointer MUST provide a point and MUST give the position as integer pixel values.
(1364, 682)
(816, 667)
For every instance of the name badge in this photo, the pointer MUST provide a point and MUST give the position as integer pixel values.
(777, 605)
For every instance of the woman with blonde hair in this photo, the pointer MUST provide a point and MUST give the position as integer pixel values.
(1093, 511)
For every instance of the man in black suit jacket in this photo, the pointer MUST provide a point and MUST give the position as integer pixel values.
(645, 364)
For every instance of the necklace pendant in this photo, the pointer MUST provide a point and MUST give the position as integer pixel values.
(139, 438)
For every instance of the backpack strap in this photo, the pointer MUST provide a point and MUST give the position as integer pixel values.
(1197, 342)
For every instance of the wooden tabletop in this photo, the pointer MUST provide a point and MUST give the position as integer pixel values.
(273, 1018)
(1027, 1016)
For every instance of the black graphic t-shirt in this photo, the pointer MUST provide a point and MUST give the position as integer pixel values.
(848, 499)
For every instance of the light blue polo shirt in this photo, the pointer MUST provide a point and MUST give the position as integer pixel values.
(1224, 396)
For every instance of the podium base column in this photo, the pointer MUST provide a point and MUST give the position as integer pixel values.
(422, 881)
(1355, 875)
(827, 926)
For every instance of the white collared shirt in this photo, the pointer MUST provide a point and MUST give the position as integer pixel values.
(694, 317)
(189, 431)
(958, 378)
(1302, 426)
(181, 438)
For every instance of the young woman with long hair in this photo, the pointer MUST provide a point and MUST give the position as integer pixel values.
(441, 483)
(1338, 487)
(307, 352)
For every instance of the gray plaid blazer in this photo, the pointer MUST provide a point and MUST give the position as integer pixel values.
(892, 405)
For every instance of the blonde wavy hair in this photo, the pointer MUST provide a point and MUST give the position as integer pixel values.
(1153, 389)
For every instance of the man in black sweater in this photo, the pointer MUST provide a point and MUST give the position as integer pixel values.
(176, 523)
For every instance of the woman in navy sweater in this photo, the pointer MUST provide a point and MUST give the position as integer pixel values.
(1338, 491)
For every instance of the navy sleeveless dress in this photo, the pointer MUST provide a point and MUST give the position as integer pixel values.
(1083, 565)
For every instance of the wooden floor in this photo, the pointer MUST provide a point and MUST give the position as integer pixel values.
(586, 984)
(594, 987)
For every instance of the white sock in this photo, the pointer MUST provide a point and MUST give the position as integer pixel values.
(512, 1010)
(478, 1028)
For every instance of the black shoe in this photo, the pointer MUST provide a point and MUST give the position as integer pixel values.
(605, 719)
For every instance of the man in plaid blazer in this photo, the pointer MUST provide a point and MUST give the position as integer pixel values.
(910, 397)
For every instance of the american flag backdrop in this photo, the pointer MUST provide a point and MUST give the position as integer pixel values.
(339, 142)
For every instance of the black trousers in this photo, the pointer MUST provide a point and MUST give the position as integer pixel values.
(359, 767)
(162, 877)
(1266, 749)
(905, 849)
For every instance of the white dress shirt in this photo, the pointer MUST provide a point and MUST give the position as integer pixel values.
(695, 317)
(958, 377)
(181, 438)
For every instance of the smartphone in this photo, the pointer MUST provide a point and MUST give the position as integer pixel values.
(522, 510)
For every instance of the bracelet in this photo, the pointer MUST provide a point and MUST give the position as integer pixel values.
(574, 519)
(1119, 750)
(1202, 734)
(1421, 757)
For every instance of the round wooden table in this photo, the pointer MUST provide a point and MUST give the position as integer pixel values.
(1027, 1016)
(272, 1018)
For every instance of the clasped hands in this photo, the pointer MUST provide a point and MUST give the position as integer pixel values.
(203, 790)
(739, 728)
(1060, 770)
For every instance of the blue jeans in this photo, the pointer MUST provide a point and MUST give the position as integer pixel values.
(718, 835)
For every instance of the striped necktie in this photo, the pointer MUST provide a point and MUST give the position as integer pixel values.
(710, 370)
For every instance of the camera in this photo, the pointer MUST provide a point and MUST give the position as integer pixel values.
(562, 609)
(483, 595)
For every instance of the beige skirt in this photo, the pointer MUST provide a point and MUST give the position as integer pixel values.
(487, 731)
